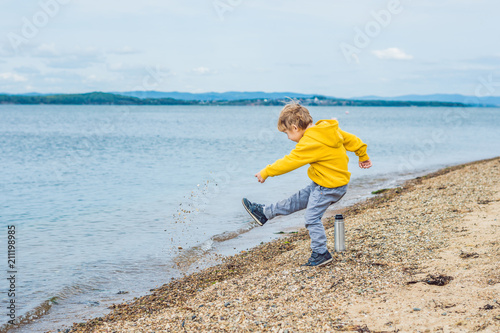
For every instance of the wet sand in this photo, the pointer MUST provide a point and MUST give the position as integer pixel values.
(424, 257)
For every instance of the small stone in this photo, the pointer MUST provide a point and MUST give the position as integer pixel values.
(444, 313)
(227, 304)
(416, 309)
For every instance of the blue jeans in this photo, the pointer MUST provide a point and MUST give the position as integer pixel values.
(315, 199)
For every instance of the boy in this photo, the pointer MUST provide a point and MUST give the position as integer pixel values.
(323, 146)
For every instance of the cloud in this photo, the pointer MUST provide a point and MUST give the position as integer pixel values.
(125, 67)
(92, 78)
(124, 50)
(77, 58)
(202, 71)
(70, 62)
(293, 65)
(12, 77)
(3, 51)
(485, 62)
(46, 50)
(28, 50)
(392, 53)
(55, 57)
(27, 70)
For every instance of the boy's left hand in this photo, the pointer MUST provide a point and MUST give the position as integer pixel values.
(259, 177)
(365, 164)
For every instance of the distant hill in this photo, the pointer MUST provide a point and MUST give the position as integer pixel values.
(242, 95)
(214, 96)
(93, 98)
(233, 96)
(100, 98)
(450, 98)
(26, 94)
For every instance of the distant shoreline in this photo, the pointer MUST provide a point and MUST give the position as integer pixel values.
(100, 98)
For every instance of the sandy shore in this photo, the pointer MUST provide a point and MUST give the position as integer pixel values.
(421, 258)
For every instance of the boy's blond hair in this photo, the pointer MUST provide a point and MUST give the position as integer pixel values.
(294, 114)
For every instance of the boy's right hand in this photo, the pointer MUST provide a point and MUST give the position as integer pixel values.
(259, 177)
(365, 164)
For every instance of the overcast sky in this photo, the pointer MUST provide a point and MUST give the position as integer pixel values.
(339, 48)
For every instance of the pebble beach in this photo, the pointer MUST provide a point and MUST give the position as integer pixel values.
(423, 257)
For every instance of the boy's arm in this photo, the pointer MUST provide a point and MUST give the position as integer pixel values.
(302, 154)
(354, 144)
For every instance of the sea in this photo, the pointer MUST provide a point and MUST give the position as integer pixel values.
(104, 203)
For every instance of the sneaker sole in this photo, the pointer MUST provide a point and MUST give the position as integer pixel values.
(322, 264)
(325, 263)
(256, 220)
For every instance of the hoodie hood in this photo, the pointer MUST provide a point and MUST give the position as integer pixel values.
(327, 132)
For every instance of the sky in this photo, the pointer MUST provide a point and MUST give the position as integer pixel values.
(340, 48)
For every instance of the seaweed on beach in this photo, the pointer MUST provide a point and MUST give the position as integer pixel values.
(380, 191)
(438, 280)
(435, 280)
(359, 329)
(465, 255)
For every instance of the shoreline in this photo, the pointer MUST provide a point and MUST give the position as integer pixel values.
(221, 260)
(192, 260)
(196, 301)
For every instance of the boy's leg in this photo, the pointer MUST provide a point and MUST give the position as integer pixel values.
(319, 200)
(296, 202)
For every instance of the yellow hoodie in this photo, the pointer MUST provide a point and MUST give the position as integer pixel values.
(323, 146)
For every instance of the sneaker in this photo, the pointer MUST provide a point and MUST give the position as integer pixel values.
(255, 210)
(318, 259)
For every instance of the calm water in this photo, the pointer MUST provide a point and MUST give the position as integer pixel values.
(102, 197)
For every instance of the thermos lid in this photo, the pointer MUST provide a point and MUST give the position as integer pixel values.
(339, 217)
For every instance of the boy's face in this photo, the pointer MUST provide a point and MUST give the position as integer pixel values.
(294, 133)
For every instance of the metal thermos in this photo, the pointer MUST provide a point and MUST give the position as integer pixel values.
(339, 233)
